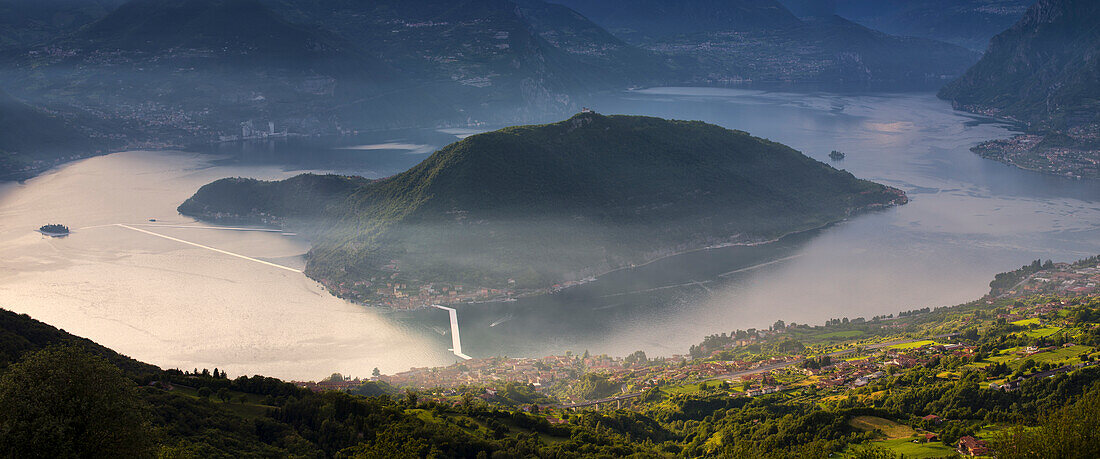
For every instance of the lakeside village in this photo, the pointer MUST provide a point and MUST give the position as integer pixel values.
(1046, 325)
(1073, 154)
(391, 292)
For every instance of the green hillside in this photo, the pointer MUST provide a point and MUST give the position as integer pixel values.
(20, 334)
(558, 202)
(877, 388)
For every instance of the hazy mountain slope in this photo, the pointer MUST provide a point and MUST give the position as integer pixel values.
(824, 50)
(32, 139)
(967, 23)
(164, 72)
(176, 70)
(760, 41)
(581, 197)
(1045, 70)
(642, 20)
(240, 27)
(593, 46)
(496, 50)
(30, 22)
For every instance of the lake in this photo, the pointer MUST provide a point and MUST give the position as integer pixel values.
(179, 305)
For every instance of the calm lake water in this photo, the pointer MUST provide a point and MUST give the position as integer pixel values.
(178, 305)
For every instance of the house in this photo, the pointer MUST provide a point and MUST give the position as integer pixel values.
(933, 419)
(970, 446)
(903, 362)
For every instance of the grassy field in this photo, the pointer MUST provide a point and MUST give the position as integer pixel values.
(914, 344)
(1026, 322)
(891, 429)
(1061, 356)
(842, 334)
(1057, 357)
(251, 408)
(1041, 332)
(694, 388)
(906, 447)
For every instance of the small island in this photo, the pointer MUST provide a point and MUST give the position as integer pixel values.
(836, 155)
(54, 230)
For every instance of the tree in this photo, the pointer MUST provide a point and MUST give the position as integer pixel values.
(376, 373)
(223, 394)
(1073, 431)
(871, 452)
(63, 401)
(638, 357)
(205, 392)
(779, 325)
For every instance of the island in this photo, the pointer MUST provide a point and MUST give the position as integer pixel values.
(54, 230)
(836, 155)
(535, 209)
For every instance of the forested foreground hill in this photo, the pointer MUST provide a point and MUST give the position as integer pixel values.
(1013, 375)
(531, 206)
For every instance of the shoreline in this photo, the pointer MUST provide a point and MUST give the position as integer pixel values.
(1001, 149)
(903, 198)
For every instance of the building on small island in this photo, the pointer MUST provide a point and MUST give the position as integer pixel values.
(54, 230)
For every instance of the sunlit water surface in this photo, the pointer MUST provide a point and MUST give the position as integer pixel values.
(177, 305)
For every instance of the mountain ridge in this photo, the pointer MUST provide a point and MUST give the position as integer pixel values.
(1042, 71)
(1043, 74)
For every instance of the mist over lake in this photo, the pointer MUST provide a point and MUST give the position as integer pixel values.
(172, 304)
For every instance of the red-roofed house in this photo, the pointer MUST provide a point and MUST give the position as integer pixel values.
(970, 446)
